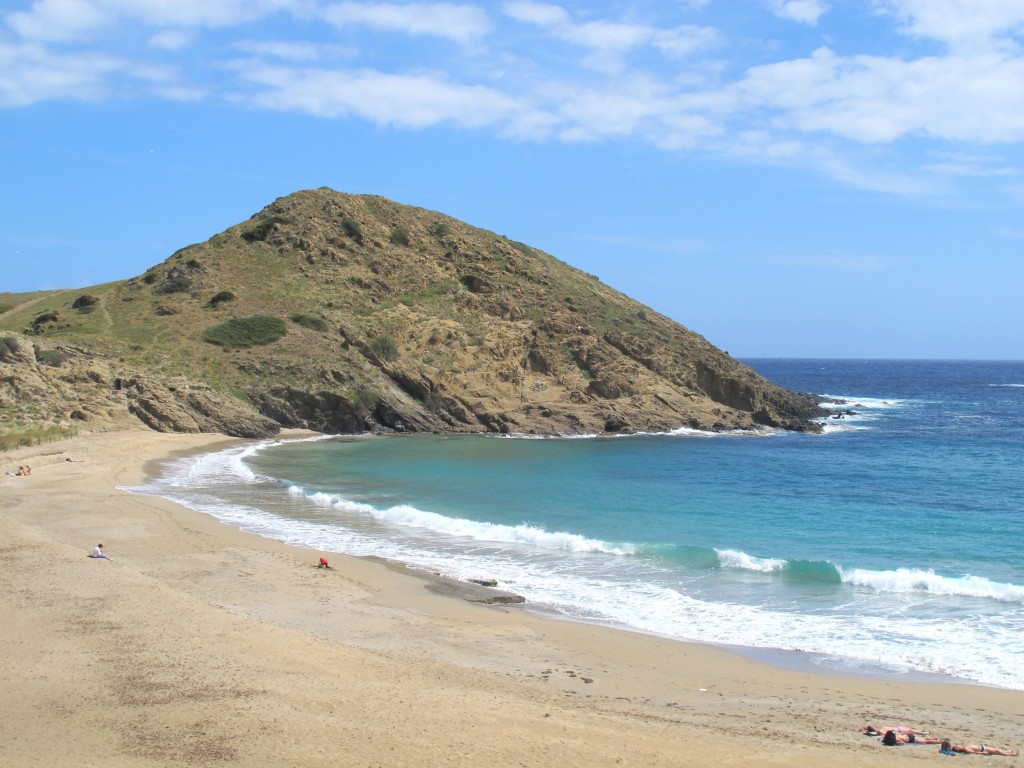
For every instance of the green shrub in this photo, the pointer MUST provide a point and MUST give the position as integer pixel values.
(193, 264)
(53, 357)
(149, 278)
(47, 317)
(400, 236)
(434, 403)
(261, 231)
(220, 298)
(535, 314)
(363, 398)
(309, 321)
(246, 331)
(176, 284)
(353, 229)
(85, 301)
(384, 347)
(441, 229)
(523, 248)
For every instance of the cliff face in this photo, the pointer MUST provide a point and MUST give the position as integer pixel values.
(346, 313)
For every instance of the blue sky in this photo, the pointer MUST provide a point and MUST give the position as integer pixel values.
(789, 178)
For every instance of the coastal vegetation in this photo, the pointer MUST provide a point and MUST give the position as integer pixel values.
(221, 297)
(246, 332)
(309, 321)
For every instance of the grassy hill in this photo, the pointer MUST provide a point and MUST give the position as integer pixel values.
(345, 313)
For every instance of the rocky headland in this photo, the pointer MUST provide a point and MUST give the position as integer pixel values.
(352, 313)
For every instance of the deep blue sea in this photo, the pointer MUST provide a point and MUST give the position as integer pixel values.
(891, 543)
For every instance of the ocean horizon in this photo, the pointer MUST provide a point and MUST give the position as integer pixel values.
(889, 544)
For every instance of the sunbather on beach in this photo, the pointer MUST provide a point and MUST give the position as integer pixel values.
(871, 730)
(976, 749)
(893, 739)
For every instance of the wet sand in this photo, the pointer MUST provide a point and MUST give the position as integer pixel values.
(198, 644)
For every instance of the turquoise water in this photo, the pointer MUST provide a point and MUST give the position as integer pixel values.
(890, 542)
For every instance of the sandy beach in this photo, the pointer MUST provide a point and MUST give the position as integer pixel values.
(198, 644)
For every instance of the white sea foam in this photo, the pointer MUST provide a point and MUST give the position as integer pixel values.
(851, 424)
(956, 647)
(528, 436)
(691, 432)
(855, 402)
(858, 413)
(224, 466)
(678, 432)
(1012, 386)
(913, 580)
(404, 515)
(332, 500)
(900, 580)
(731, 558)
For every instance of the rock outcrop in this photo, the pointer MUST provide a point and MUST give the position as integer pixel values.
(70, 386)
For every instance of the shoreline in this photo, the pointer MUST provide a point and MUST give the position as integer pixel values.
(780, 657)
(202, 643)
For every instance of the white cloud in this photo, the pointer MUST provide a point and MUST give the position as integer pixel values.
(832, 112)
(602, 114)
(966, 169)
(461, 23)
(606, 41)
(804, 11)
(875, 99)
(198, 13)
(607, 36)
(172, 39)
(541, 14)
(686, 40)
(53, 20)
(180, 93)
(29, 73)
(765, 147)
(966, 164)
(970, 24)
(293, 51)
(410, 101)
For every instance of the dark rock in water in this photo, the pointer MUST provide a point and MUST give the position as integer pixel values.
(485, 582)
(503, 598)
(473, 593)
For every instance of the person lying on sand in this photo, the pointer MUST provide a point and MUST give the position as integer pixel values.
(975, 749)
(870, 730)
(893, 739)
